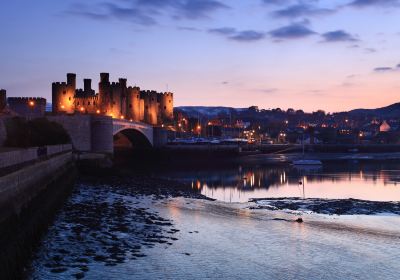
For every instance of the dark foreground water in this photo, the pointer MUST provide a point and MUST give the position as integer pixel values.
(127, 228)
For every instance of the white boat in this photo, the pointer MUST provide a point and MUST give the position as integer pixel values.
(307, 162)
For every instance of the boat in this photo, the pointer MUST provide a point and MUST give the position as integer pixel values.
(307, 162)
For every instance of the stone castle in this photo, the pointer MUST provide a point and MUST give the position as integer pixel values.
(113, 99)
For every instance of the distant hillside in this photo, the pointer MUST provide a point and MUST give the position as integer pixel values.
(391, 111)
(208, 111)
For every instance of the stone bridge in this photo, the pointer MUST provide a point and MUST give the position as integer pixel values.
(93, 133)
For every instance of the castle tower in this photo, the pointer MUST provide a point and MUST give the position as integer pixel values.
(133, 104)
(150, 107)
(71, 80)
(3, 99)
(87, 85)
(105, 94)
(63, 95)
(123, 97)
(166, 101)
(86, 100)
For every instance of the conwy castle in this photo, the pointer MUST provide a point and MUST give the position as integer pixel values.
(113, 99)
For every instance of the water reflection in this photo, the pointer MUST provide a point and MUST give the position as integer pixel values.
(361, 181)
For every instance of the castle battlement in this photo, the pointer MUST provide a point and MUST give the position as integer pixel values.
(60, 83)
(26, 99)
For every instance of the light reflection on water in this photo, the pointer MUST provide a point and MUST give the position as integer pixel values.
(375, 182)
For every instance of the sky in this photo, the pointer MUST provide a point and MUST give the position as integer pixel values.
(333, 55)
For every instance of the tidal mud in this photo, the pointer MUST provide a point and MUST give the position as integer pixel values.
(106, 222)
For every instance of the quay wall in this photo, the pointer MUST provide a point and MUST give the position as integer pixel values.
(21, 156)
(29, 199)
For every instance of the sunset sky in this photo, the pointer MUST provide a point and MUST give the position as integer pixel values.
(309, 54)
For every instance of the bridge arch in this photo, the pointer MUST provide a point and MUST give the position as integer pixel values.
(134, 133)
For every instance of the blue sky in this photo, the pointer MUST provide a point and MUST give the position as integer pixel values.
(331, 55)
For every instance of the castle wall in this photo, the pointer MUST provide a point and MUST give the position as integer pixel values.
(31, 107)
(87, 104)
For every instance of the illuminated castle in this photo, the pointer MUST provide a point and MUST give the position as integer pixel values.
(113, 99)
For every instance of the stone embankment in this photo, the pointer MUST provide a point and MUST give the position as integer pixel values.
(33, 184)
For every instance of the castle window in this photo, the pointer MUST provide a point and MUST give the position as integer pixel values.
(169, 101)
(152, 99)
(77, 103)
(113, 102)
(64, 92)
(130, 105)
(147, 107)
(138, 96)
(69, 98)
(165, 107)
(88, 103)
(94, 102)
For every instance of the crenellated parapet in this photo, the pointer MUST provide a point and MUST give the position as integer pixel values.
(27, 106)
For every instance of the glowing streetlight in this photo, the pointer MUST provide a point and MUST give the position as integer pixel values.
(82, 109)
(122, 117)
(31, 103)
(98, 111)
